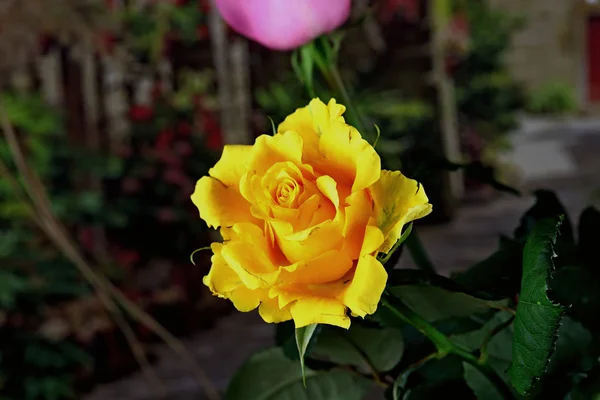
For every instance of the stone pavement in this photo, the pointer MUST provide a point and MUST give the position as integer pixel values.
(559, 155)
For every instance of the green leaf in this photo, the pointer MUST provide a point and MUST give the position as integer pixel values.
(500, 273)
(572, 345)
(578, 286)
(384, 258)
(270, 375)
(587, 387)
(303, 336)
(538, 318)
(303, 63)
(362, 347)
(11, 286)
(479, 384)
(438, 304)
(547, 205)
(418, 252)
(589, 239)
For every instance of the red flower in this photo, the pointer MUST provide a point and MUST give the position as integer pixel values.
(183, 149)
(204, 5)
(107, 42)
(127, 258)
(202, 32)
(184, 128)
(130, 185)
(410, 9)
(156, 91)
(212, 130)
(166, 215)
(164, 139)
(45, 43)
(86, 238)
(140, 113)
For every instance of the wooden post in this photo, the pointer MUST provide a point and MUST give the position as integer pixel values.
(448, 187)
(231, 64)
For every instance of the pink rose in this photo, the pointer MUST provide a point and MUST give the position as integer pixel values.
(284, 24)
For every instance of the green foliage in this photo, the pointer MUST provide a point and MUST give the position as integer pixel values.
(33, 367)
(365, 348)
(555, 98)
(146, 28)
(303, 336)
(538, 318)
(270, 375)
(488, 97)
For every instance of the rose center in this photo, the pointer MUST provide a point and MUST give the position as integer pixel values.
(284, 185)
(286, 192)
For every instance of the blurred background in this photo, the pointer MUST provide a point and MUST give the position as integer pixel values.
(118, 107)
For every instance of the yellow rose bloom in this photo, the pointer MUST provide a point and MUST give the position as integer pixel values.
(303, 215)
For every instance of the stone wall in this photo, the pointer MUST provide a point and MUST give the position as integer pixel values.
(551, 46)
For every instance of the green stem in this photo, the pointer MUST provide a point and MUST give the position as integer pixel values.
(444, 345)
(418, 252)
(332, 74)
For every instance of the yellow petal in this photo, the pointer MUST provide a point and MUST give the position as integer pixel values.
(270, 312)
(398, 201)
(328, 187)
(225, 283)
(372, 241)
(314, 310)
(347, 157)
(309, 243)
(328, 267)
(232, 165)
(310, 122)
(220, 205)
(251, 266)
(358, 211)
(245, 299)
(269, 150)
(221, 279)
(364, 292)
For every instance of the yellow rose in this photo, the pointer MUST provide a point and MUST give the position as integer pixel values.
(303, 215)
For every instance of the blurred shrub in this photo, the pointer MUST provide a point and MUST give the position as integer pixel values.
(552, 98)
(398, 118)
(173, 143)
(34, 363)
(146, 212)
(488, 96)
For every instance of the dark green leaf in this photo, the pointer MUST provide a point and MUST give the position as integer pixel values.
(574, 354)
(303, 336)
(547, 205)
(578, 286)
(269, 374)
(494, 340)
(11, 285)
(432, 379)
(538, 318)
(571, 346)
(385, 258)
(421, 163)
(361, 347)
(587, 387)
(480, 385)
(589, 239)
(437, 304)
(500, 273)
(418, 253)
